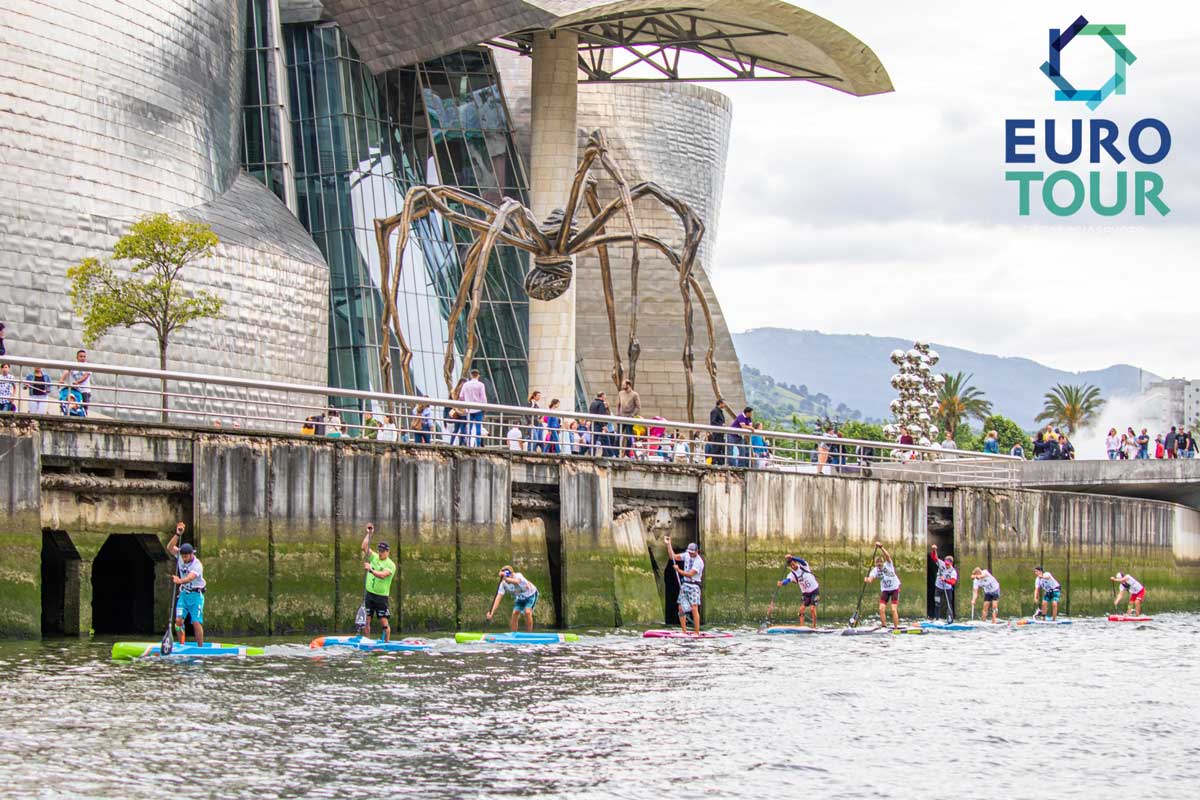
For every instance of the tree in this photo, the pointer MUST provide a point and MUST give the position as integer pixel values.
(1071, 407)
(1008, 433)
(958, 400)
(159, 247)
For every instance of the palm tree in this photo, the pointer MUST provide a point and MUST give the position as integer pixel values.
(958, 400)
(1071, 407)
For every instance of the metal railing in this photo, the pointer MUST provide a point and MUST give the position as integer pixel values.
(135, 395)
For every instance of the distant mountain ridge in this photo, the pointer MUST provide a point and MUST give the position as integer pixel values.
(854, 370)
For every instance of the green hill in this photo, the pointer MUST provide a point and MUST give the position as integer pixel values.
(772, 399)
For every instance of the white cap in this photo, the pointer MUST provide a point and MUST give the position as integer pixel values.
(1120, 575)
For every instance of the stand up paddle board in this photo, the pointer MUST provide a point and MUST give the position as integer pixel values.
(796, 629)
(864, 631)
(947, 626)
(127, 651)
(371, 645)
(671, 634)
(515, 637)
(1124, 618)
(1042, 622)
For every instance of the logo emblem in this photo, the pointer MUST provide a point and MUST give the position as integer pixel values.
(1123, 57)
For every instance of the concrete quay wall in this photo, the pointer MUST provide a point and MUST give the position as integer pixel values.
(278, 522)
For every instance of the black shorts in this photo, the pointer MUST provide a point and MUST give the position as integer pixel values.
(811, 598)
(376, 605)
(991, 597)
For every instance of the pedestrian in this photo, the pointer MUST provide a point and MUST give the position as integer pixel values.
(80, 380)
(1143, 443)
(380, 570)
(333, 424)
(515, 443)
(1112, 444)
(1188, 449)
(2, 350)
(715, 447)
(943, 585)
(38, 391)
(1159, 448)
(473, 391)
(457, 416)
(758, 448)
(9, 389)
(742, 422)
(1017, 450)
(1066, 450)
(370, 426)
(388, 431)
(189, 577)
(889, 585)
(599, 407)
(800, 574)
(629, 404)
(689, 571)
(1137, 593)
(991, 443)
(1048, 590)
(525, 597)
(536, 445)
(682, 451)
(1169, 442)
(982, 579)
(553, 426)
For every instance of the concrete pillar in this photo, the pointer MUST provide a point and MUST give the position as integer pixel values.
(554, 157)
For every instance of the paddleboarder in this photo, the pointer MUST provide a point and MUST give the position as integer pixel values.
(525, 597)
(947, 579)
(380, 570)
(982, 579)
(189, 577)
(889, 585)
(800, 574)
(1137, 592)
(689, 569)
(1046, 588)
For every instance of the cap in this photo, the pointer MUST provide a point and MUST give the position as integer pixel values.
(692, 547)
(949, 558)
(1120, 575)
(1038, 569)
(186, 548)
(383, 546)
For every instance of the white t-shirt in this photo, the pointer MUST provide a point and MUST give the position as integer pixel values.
(987, 581)
(688, 562)
(1131, 584)
(808, 581)
(387, 433)
(889, 581)
(1047, 582)
(514, 439)
(523, 588)
(682, 451)
(184, 569)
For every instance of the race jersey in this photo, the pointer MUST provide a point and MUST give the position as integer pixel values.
(184, 569)
(987, 581)
(1131, 584)
(689, 562)
(1047, 583)
(522, 589)
(376, 585)
(889, 581)
(808, 581)
(947, 575)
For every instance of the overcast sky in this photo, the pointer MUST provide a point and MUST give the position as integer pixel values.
(890, 214)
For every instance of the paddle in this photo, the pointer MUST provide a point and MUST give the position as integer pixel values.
(949, 607)
(861, 594)
(360, 616)
(767, 622)
(168, 640)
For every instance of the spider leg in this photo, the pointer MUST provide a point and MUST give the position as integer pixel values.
(618, 369)
(635, 261)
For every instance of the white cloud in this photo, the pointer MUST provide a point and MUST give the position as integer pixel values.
(890, 214)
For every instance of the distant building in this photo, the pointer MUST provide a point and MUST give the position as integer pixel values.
(1178, 400)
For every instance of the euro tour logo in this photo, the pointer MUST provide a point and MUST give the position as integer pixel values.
(1097, 142)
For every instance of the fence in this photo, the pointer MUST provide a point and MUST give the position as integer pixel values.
(137, 395)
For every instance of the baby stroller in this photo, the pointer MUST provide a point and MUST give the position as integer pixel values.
(70, 400)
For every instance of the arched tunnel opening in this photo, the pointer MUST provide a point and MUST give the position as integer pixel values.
(123, 576)
(60, 584)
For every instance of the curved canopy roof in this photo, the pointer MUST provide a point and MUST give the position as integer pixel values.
(627, 39)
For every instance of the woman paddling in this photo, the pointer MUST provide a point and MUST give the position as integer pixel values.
(1137, 592)
(889, 586)
(800, 574)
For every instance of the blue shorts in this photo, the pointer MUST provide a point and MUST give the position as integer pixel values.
(521, 604)
(1052, 596)
(190, 604)
(689, 597)
(811, 598)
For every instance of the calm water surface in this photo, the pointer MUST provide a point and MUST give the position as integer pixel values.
(1088, 710)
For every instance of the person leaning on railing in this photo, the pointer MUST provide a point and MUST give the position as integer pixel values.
(629, 404)
(9, 389)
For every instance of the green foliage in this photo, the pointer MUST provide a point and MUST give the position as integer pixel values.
(965, 438)
(958, 401)
(1071, 407)
(863, 430)
(159, 247)
(1008, 434)
(778, 400)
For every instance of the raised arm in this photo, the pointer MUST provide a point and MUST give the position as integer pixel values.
(670, 552)
(366, 542)
(173, 544)
(886, 555)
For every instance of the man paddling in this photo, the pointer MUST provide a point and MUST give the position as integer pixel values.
(982, 579)
(525, 597)
(1049, 590)
(889, 585)
(947, 579)
(800, 574)
(689, 569)
(380, 570)
(1137, 592)
(189, 577)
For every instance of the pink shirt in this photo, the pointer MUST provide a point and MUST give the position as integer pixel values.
(473, 391)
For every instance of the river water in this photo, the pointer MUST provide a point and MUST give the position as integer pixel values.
(1088, 710)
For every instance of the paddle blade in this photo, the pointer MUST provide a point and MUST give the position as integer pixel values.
(360, 618)
(167, 644)
(854, 619)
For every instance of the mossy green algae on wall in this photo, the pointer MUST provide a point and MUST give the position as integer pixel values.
(303, 543)
(482, 515)
(634, 587)
(20, 531)
(424, 486)
(588, 550)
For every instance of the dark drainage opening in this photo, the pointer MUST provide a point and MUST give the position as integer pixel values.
(940, 604)
(60, 584)
(123, 578)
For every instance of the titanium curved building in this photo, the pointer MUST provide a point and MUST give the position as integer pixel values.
(291, 125)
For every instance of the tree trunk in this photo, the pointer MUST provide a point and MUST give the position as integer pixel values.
(162, 365)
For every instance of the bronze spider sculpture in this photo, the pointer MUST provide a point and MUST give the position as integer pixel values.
(553, 243)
